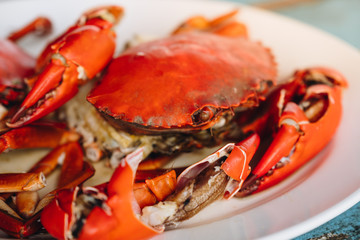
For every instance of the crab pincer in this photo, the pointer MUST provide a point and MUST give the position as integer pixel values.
(304, 128)
(70, 60)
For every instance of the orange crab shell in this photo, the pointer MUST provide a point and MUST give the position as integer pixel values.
(164, 83)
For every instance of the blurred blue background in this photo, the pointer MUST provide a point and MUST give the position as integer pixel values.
(338, 17)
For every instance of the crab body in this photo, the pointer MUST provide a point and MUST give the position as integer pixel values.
(184, 82)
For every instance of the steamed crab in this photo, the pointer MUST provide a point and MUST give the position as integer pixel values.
(202, 85)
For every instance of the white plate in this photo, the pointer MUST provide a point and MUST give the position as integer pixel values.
(318, 192)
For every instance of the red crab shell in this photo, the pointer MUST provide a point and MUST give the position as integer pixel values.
(168, 83)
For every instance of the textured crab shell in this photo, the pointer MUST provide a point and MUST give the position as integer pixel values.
(161, 84)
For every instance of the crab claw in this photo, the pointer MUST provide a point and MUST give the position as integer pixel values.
(69, 61)
(305, 129)
(117, 209)
(220, 175)
(237, 163)
(61, 208)
(122, 222)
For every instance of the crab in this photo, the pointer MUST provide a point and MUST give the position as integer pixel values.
(205, 84)
(16, 65)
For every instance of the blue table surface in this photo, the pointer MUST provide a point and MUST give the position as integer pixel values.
(342, 19)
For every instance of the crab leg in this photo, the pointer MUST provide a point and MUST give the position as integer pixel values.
(27, 201)
(28, 205)
(70, 60)
(156, 189)
(47, 164)
(305, 129)
(36, 136)
(68, 155)
(154, 163)
(162, 186)
(71, 176)
(143, 195)
(225, 25)
(13, 225)
(17, 182)
(40, 26)
(72, 163)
